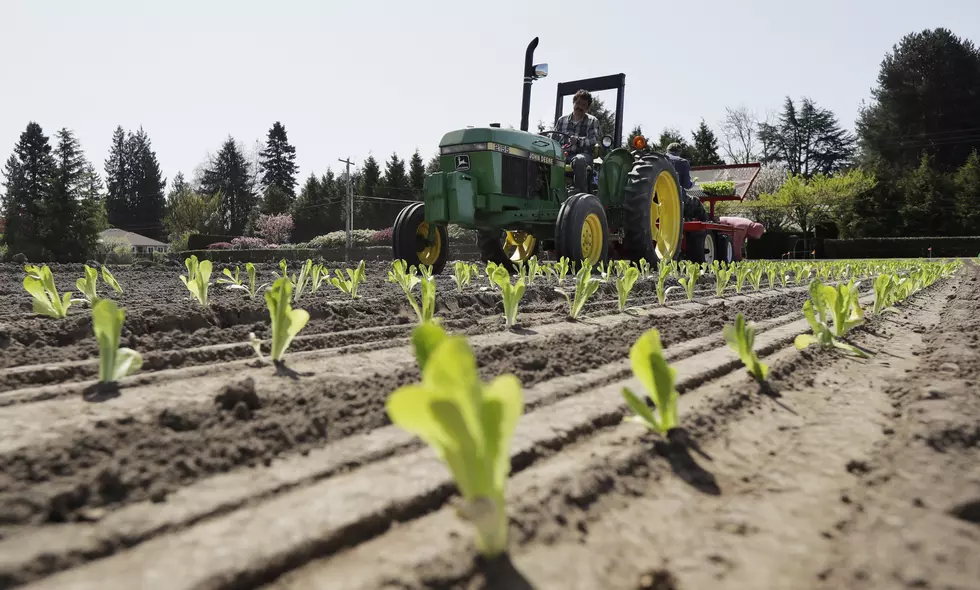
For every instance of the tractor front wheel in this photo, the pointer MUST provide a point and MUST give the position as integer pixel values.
(507, 248)
(654, 221)
(417, 241)
(582, 231)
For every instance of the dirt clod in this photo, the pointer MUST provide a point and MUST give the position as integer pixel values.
(240, 392)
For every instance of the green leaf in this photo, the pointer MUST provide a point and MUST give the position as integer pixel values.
(804, 340)
(286, 322)
(657, 377)
(114, 362)
(425, 339)
(643, 413)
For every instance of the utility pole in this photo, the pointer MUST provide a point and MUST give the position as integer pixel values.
(350, 209)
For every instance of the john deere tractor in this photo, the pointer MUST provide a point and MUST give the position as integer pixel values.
(517, 190)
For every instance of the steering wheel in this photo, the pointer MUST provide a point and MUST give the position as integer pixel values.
(566, 137)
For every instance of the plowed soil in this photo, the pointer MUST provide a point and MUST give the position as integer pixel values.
(209, 470)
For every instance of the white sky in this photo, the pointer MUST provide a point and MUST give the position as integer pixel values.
(349, 78)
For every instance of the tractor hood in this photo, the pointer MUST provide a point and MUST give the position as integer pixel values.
(512, 141)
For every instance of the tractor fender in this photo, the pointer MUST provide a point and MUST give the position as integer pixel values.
(613, 173)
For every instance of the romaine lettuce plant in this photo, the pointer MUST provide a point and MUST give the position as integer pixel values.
(657, 377)
(561, 268)
(407, 278)
(350, 284)
(114, 362)
(468, 423)
(884, 287)
(741, 338)
(831, 306)
(463, 273)
(111, 280)
(39, 282)
(231, 279)
(198, 278)
(512, 294)
(585, 287)
(286, 321)
(742, 271)
(624, 284)
(88, 285)
(690, 282)
(755, 276)
(723, 274)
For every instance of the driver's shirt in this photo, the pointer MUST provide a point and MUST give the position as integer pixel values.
(587, 127)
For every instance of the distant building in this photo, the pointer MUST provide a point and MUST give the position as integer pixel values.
(139, 244)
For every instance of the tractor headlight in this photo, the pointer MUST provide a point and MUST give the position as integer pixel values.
(606, 141)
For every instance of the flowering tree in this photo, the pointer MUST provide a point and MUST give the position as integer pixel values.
(275, 228)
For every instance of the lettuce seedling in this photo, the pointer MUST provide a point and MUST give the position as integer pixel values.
(233, 280)
(234, 283)
(490, 269)
(425, 270)
(690, 282)
(354, 279)
(114, 362)
(644, 267)
(624, 284)
(663, 292)
(771, 271)
(198, 278)
(755, 276)
(561, 268)
(318, 276)
(742, 272)
(723, 274)
(657, 377)
(884, 287)
(826, 305)
(512, 294)
(286, 321)
(39, 282)
(585, 287)
(300, 282)
(468, 423)
(463, 274)
(407, 279)
(533, 270)
(89, 285)
(741, 338)
(111, 280)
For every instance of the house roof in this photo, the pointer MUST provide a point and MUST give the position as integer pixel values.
(133, 239)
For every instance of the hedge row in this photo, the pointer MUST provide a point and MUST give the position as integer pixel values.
(959, 246)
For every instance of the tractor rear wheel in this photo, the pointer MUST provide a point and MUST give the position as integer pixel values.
(507, 248)
(582, 231)
(418, 242)
(654, 221)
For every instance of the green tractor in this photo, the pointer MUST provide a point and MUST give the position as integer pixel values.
(516, 189)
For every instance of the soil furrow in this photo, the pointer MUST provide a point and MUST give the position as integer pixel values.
(67, 455)
(624, 510)
(48, 549)
(321, 518)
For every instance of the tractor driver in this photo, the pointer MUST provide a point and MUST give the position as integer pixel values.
(582, 131)
(693, 208)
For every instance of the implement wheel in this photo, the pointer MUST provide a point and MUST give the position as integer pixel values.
(418, 242)
(507, 248)
(654, 220)
(582, 231)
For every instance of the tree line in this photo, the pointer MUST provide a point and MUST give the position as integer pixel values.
(911, 168)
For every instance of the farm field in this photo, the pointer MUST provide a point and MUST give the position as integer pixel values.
(207, 469)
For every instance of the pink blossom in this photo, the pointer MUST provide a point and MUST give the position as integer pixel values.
(275, 228)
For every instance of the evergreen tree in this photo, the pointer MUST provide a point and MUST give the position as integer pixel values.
(230, 175)
(147, 202)
(310, 214)
(705, 150)
(395, 180)
(416, 174)
(370, 177)
(673, 135)
(278, 166)
(72, 217)
(967, 182)
(607, 118)
(367, 211)
(276, 200)
(29, 173)
(117, 182)
(394, 186)
(927, 98)
(432, 165)
(929, 205)
(808, 140)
